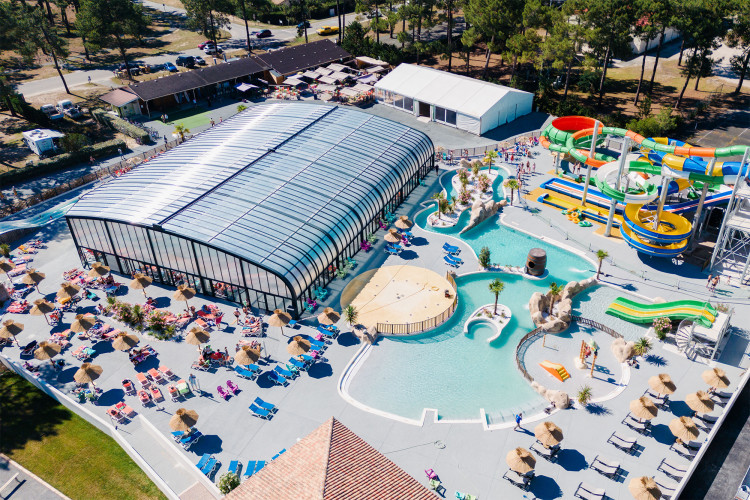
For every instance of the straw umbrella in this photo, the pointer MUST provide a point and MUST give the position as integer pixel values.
(662, 384)
(298, 346)
(183, 294)
(10, 329)
(700, 402)
(644, 488)
(328, 317)
(42, 307)
(47, 350)
(279, 318)
(141, 282)
(247, 356)
(643, 408)
(548, 434)
(684, 429)
(33, 278)
(98, 270)
(716, 378)
(183, 420)
(124, 341)
(87, 373)
(83, 323)
(520, 460)
(403, 222)
(392, 236)
(6, 266)
(67, 290)
(197, 336)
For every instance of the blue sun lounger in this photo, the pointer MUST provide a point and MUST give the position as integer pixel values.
(283, 372)
(450, 262)
(265, 405)
(203, 461)
(332, 331)
(307, 358)
(299, 365)
(250, 469)
(454, 250)
(234, 467)
(454, 259)
(210, 466)
(191, 440)
(245, 372)
(317, 345)
(278, 454)
(260, 412)
(277, 378)
(391, 251)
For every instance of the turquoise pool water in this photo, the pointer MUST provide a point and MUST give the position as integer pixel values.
(457, 373)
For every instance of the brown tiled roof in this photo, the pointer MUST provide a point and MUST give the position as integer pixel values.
(301, 57)
(119, 97)
(331, 463)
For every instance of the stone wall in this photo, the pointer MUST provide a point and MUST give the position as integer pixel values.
(540, 302)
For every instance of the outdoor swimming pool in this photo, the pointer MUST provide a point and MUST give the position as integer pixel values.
(460, 374)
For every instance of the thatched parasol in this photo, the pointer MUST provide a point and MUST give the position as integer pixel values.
(548, 433)
(328, 317)
(125, 341)
(67, 290)
(403, 222)
(47, 350)
(716, 378)
(247, 356)
(700, 401)
(42, 307)
(684, 429)
(197, 336)
(662, 384)
(183, 420)
(10, 329)
(644, 488)
(183, 294)
(6, 266)
(33, 278)
(83, 323)
(87, 373)
(520, 460)
(298, 346)
(98, 270)
(279, 318)
(392, 236)
(643, 408)
(141, 282)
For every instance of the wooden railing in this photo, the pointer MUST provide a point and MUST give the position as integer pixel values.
(590, 322)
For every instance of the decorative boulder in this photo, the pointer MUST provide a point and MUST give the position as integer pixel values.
(480, 212)
(622, 349)
(464, 163)
(560, 398)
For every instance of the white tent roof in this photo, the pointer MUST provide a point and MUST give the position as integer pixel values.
(460, 93)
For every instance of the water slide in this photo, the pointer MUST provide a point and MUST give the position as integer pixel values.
(556, 370)
(638, 312)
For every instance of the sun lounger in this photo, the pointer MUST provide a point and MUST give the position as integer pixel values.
(155, 375)
(250, 469)
(278, 454)
(636, 425)
(168, 375)
(266, 406)
(703, 425)
(722, 394)
(523, 481)
(191, 440)
(210, 467)
(144, 397)
(203, 461)
(308, 358)
(260, 412)
(224, 394)
(718, 400)
(327, 332)
(283, 372)
(245, 373)
(605, 467)
(673, 470)
(684, 450)
(667, 488)
(299, 365)
(544, 452)
(625, 443)
(156, 393)
(465, 496)
(454, 259)
(277, 378)
(174, 394)
(232, 387)
(659, 400)
(391, 251)
(437, 486)
(142, 379)
(116, 415)
(128, 387)
(125, 409)
(234, 467)
(451, 249)
(450, 262)
(588, 492)
(706, 417)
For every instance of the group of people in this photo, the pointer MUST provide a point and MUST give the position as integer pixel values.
(713, 281)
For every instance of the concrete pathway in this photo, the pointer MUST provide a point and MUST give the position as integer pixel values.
(21, 483)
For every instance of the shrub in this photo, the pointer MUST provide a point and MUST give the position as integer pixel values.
(241, 108)
(73, 142)
(584, 395)
(228, 482)
(5, 250)
(642, 346)
(464, 196)
(484, 257)
(662, 326)
(483, 183)
(121, 125)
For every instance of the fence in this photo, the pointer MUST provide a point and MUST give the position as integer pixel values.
(102, 173)
(482, 150)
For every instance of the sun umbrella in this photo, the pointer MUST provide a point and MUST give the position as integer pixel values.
(197, 336)
(392, 236)
(67, 290)
(328, 316)
(6, 266)
(520, 460)
(183, 294)
(662, 384)
(42, 307)
(83, 323)
(87, 373)
(98, 270)
(683, 429)
(644, 488)
(298, 346)
(403, 222)
(279, 318)
(10, 329)
(548, 434)
(47, 350)
(141, 282)
(643, 408)
(700, 401)
(124, 341)
(183, 420)
(33, 278)
(247, 356)
(716, 378)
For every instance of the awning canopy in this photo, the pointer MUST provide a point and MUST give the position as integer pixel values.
(311, 74)
(371, 61)
(328, 80)
(368, 79)
(323, 71)
(350, 92)
(244, 87)
(339, 75)
(375, 69)
(361, 87)
(339, 67)
(326, 88)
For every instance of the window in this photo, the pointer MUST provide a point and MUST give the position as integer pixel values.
(450, 117)
(439, 114)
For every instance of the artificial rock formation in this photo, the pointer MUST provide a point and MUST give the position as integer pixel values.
(622, 349)
(560, 398)
(540, 302)
(481, 211)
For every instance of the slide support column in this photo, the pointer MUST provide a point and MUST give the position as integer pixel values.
(697, 218)
(621, 167)
(592, 154)
(723, 230)
(662, 200)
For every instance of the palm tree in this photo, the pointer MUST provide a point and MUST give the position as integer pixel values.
(584, 395)
(642, 346)
(496, 286)
(600, 255)
(491, 154)
(441, 203)
(475, 169)
(555, 291)
(512, 184)
(181, 130)
(351, 314)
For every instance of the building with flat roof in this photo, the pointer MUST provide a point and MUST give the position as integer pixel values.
(454, 100)
(261, 209)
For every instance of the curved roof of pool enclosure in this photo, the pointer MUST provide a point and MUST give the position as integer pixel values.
(284, 186)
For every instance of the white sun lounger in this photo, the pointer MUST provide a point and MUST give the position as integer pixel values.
(636, 425)
(588, 492)
(707, 417)
(683, 450)
(666, 487)
(671, 469)
(547, 453)
(625, 443)
(606, 467)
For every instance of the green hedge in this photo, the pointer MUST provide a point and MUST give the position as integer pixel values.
(121, 125)
(61, 161)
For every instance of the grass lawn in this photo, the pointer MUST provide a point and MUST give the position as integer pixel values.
(193, 117)
(63, 449)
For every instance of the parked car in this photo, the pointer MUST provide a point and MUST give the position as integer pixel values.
(185, 61)
(134, 69)
(328, 30)
(203, 44)
(264, 34)
(210, 49)
(68, 108)
(170, 67)
(199, 61)
(303, 25)
(51, 111)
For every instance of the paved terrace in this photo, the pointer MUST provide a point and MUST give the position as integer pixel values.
(466, 457)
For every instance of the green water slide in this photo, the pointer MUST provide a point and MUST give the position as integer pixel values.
(702, 313)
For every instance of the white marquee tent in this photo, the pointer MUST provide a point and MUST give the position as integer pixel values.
(455, 100)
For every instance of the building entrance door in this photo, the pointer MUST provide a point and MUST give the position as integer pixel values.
(424, 109)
